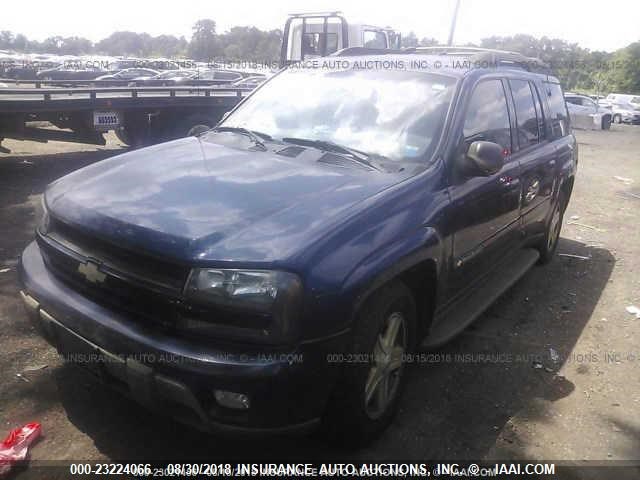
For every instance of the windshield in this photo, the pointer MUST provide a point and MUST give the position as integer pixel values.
(394, 113)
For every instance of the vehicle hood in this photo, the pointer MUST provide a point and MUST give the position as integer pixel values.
(195, 200)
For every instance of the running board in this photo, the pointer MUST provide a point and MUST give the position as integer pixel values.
(454, 319)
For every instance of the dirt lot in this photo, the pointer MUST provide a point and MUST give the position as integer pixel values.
(582, 401)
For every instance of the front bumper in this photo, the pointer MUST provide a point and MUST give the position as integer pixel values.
(288, 388)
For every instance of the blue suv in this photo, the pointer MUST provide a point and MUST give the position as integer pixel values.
(275, 272)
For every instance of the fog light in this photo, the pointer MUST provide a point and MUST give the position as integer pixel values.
(237, 401)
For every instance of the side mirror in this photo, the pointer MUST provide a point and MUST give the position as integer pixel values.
(483, 159)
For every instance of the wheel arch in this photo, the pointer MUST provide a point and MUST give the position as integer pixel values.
(419, 270)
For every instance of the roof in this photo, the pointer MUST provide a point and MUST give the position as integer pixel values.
(456, 61)
(434, 64)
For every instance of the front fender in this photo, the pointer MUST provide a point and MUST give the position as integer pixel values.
(399, 229)
(398, 257)
(332, 312)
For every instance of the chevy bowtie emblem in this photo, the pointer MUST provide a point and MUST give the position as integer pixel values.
(91, 272)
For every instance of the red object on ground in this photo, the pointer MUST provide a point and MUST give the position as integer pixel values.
(14, 448)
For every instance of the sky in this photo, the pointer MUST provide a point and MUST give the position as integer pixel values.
(590, 24)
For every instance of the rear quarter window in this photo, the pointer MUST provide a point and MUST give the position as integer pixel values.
(557, 115)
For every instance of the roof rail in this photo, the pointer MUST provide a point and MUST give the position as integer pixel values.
(457, 50)
(490, 56)
(302, 14)
(475, 55)
(507, 59)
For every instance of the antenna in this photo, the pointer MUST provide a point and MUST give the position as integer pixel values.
(453, 23)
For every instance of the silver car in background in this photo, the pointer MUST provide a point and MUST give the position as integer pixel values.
(587, 114)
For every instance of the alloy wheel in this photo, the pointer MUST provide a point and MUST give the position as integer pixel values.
(383, 380)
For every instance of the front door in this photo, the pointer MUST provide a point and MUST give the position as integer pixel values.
(485, 209)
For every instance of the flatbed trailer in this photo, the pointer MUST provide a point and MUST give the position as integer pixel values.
(138, 115)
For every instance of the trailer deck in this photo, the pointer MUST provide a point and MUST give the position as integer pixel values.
(138, 115)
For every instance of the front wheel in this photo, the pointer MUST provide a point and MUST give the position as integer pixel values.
(606, 122)
(366, 398)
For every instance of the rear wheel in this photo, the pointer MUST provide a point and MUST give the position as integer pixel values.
(549, 244)
(366, 398)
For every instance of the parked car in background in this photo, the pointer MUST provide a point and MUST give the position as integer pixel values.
(26, 69)
(250, 82)
(168, 78)
(586, 113)
(279, 270)
(625, 112)
(217, 76)
(207, 77)
(67, 72)
(623, 98)
(158, 65)
(124, 77)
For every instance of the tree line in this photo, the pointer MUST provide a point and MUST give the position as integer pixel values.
(578, 68)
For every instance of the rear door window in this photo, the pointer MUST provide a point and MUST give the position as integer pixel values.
(526, 118)
(542, 130)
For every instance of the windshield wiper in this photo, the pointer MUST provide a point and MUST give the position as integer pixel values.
(254, 136)
(329, 146)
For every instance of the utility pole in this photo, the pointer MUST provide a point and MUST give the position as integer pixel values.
(453, 23)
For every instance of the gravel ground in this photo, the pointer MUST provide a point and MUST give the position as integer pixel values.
(549, 372)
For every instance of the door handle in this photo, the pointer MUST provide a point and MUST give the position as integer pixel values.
(506, 180)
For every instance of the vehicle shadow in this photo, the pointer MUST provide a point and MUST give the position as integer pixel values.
(457, 401)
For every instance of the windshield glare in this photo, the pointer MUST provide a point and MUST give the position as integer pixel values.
(394, 113)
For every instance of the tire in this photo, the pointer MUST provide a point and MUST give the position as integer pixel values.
(121, 134)
(617, 118)
(549, 244)
(365, 399)
(606, 122)
(133, 136)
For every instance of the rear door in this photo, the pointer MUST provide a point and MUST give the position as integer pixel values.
(485, 210)
(536, 154)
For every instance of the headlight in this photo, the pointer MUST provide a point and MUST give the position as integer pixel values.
(268, 301)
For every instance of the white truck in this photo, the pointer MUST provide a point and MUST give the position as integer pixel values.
(316, 34)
